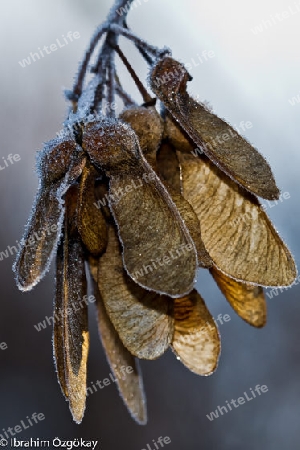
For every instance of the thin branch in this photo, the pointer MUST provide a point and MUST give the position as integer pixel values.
(145, 55)
(146, 96)
(77, 89)
(111, 88)
(117, 14)
(155, 51)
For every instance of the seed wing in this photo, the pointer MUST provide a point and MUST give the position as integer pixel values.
(196, 339)
(58, 326)
(141, 318)
(40, 239)
(219, 141)
(71, 285)
(129, 382)
(158, 251)
(170, 172)
(248, 301)
(235, 230)
(44, 227)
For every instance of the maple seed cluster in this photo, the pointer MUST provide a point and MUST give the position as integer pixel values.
(188, 202)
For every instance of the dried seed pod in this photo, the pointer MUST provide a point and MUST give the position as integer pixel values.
(149, 143)
(57, 168)
(149, 128)
(158, 251)
(139, 180)
(234, 155)
(54, 161)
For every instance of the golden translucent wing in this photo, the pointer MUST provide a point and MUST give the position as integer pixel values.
(235, 230)
(90, 220)
(158, 251)
(141, 318)
(218, 140)
(196, 340)
(248, 301)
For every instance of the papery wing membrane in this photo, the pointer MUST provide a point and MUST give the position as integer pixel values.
(72, 287)
(40, 239)
(141, 318)
(218, 140)
(235, 230)
(158, 251)
(196, 339)
(248, 301)
(124, 365)
(169, 170)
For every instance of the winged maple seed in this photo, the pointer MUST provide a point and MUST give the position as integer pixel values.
(167, 214)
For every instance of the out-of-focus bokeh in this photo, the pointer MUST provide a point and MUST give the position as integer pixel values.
(253, 75)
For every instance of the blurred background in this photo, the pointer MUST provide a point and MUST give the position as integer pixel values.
(253, 76)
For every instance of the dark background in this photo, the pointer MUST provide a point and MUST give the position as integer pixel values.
(251, 78)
